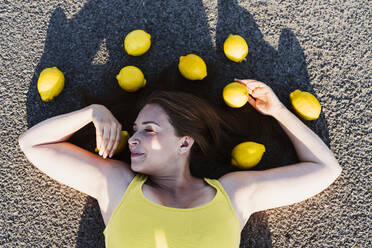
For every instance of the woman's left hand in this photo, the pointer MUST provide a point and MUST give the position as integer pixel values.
(265, 101)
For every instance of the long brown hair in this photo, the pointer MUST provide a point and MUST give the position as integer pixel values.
(192, 116)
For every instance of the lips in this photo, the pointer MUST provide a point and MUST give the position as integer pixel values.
(134, 154)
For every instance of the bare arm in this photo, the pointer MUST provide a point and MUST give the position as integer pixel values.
(60, 128)
(308, 145)
(56, 129)
(46, 148)
(260, 190)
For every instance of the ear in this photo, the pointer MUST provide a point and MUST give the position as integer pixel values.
(186, 143)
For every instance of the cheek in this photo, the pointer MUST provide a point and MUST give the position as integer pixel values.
(160, 143)
(156, 144)
(163, 146)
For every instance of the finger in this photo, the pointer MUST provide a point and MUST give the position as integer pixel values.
(251, 84)
(117, 141)
(251, 101)
(112, 139)
(257, 85)
(99, 133)
(105, 139)
(249, 89)
(259, 92)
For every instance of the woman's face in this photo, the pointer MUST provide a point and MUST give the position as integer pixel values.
(154, 137)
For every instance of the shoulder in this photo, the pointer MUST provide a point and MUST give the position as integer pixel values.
(235, 180)
(239, 186)
(238, 196)
(121, 172)
(116, 181)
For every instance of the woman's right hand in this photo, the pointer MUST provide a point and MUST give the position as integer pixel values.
(108, 130)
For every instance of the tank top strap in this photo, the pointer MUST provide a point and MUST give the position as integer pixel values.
(136, 182)
(132, 186)
(219, 187)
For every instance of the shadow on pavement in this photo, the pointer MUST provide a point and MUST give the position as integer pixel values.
(176, 29)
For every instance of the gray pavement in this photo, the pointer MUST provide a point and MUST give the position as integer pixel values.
(319, 46)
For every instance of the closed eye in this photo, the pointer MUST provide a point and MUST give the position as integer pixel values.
(146, 130)
(149, 131)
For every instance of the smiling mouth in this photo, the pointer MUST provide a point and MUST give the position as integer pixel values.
(133, 155)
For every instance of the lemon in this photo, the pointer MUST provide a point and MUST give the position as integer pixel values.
(192, 67)
(235, 48)
(137, 42)
(247, 154)
(131, 78)
(122, 144)
(50, 83)
(305, 104)
(235, 95)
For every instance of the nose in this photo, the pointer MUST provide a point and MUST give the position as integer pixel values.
(133, 140)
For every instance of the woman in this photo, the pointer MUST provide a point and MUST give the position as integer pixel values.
(155, 201)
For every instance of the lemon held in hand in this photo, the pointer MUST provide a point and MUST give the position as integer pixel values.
(122, 144)
(192, 67)
(305, 104)
(247, 154)
(235, 95)
(50, 83)
(131, 78)
(137, 42)
(235, 48)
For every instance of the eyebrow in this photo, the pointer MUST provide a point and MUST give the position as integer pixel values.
(146, 122)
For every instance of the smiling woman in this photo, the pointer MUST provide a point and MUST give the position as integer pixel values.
(168, 180)
(182, 114)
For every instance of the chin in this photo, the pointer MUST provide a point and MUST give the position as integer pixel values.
(136, 166)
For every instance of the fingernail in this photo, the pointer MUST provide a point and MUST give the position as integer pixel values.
(100, 152)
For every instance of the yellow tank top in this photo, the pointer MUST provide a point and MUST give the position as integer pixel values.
(138, 222)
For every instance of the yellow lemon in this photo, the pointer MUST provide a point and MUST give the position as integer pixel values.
(305, 104)
(137, 42)
(235, 95)
(235, 48)
(122, 144)
(50, 83)
(247, 154)
(131, 78)
(192, 67)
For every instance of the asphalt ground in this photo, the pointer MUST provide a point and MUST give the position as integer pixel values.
(319, 46)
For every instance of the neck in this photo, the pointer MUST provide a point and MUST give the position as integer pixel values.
(175, 185)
